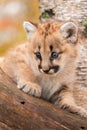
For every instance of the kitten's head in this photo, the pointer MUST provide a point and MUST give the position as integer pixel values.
(52, 46)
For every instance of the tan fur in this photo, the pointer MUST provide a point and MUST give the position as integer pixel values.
(21, 64)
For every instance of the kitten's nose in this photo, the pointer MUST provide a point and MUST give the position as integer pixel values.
(46, 71)
(45, 67)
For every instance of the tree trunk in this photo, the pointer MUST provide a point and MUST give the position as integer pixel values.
(19, 111)
(63, 10)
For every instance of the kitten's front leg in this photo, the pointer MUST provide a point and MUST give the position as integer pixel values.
(26, 81)
(66, 101)
(29, 88)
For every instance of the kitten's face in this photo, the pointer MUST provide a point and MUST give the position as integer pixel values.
(49, 51)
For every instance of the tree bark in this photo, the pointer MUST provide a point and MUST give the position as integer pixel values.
(63, 10)
(19, 111)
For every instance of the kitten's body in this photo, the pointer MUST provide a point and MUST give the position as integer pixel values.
(44, 74)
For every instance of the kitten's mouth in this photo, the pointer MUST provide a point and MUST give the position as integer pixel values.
(51, 70)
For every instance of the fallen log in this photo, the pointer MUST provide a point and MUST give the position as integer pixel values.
(19, 111)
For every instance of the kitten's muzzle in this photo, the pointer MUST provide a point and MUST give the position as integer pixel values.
(51, 70)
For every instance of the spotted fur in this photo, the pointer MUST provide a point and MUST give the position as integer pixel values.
(45, 66)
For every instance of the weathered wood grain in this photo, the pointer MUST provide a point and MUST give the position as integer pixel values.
(19, 111)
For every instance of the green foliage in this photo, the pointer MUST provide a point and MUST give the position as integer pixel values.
(48, 13)
(45, 14)
(85, 23)
(85, 29)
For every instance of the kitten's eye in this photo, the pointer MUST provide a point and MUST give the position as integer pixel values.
(38, 55)
(54, 55)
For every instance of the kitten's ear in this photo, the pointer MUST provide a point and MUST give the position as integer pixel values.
(29, 28)
(69, 31)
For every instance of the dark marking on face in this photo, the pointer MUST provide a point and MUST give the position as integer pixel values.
(51, 70)
(51, 47)
(39, 47)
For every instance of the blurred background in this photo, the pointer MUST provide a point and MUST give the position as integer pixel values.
(12, 15)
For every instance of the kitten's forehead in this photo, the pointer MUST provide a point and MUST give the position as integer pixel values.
(47, 37)
(48, 28)
(48, 45)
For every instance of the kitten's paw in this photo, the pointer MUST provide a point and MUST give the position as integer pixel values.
(82, 112)
(30, 88)
(75, 110)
